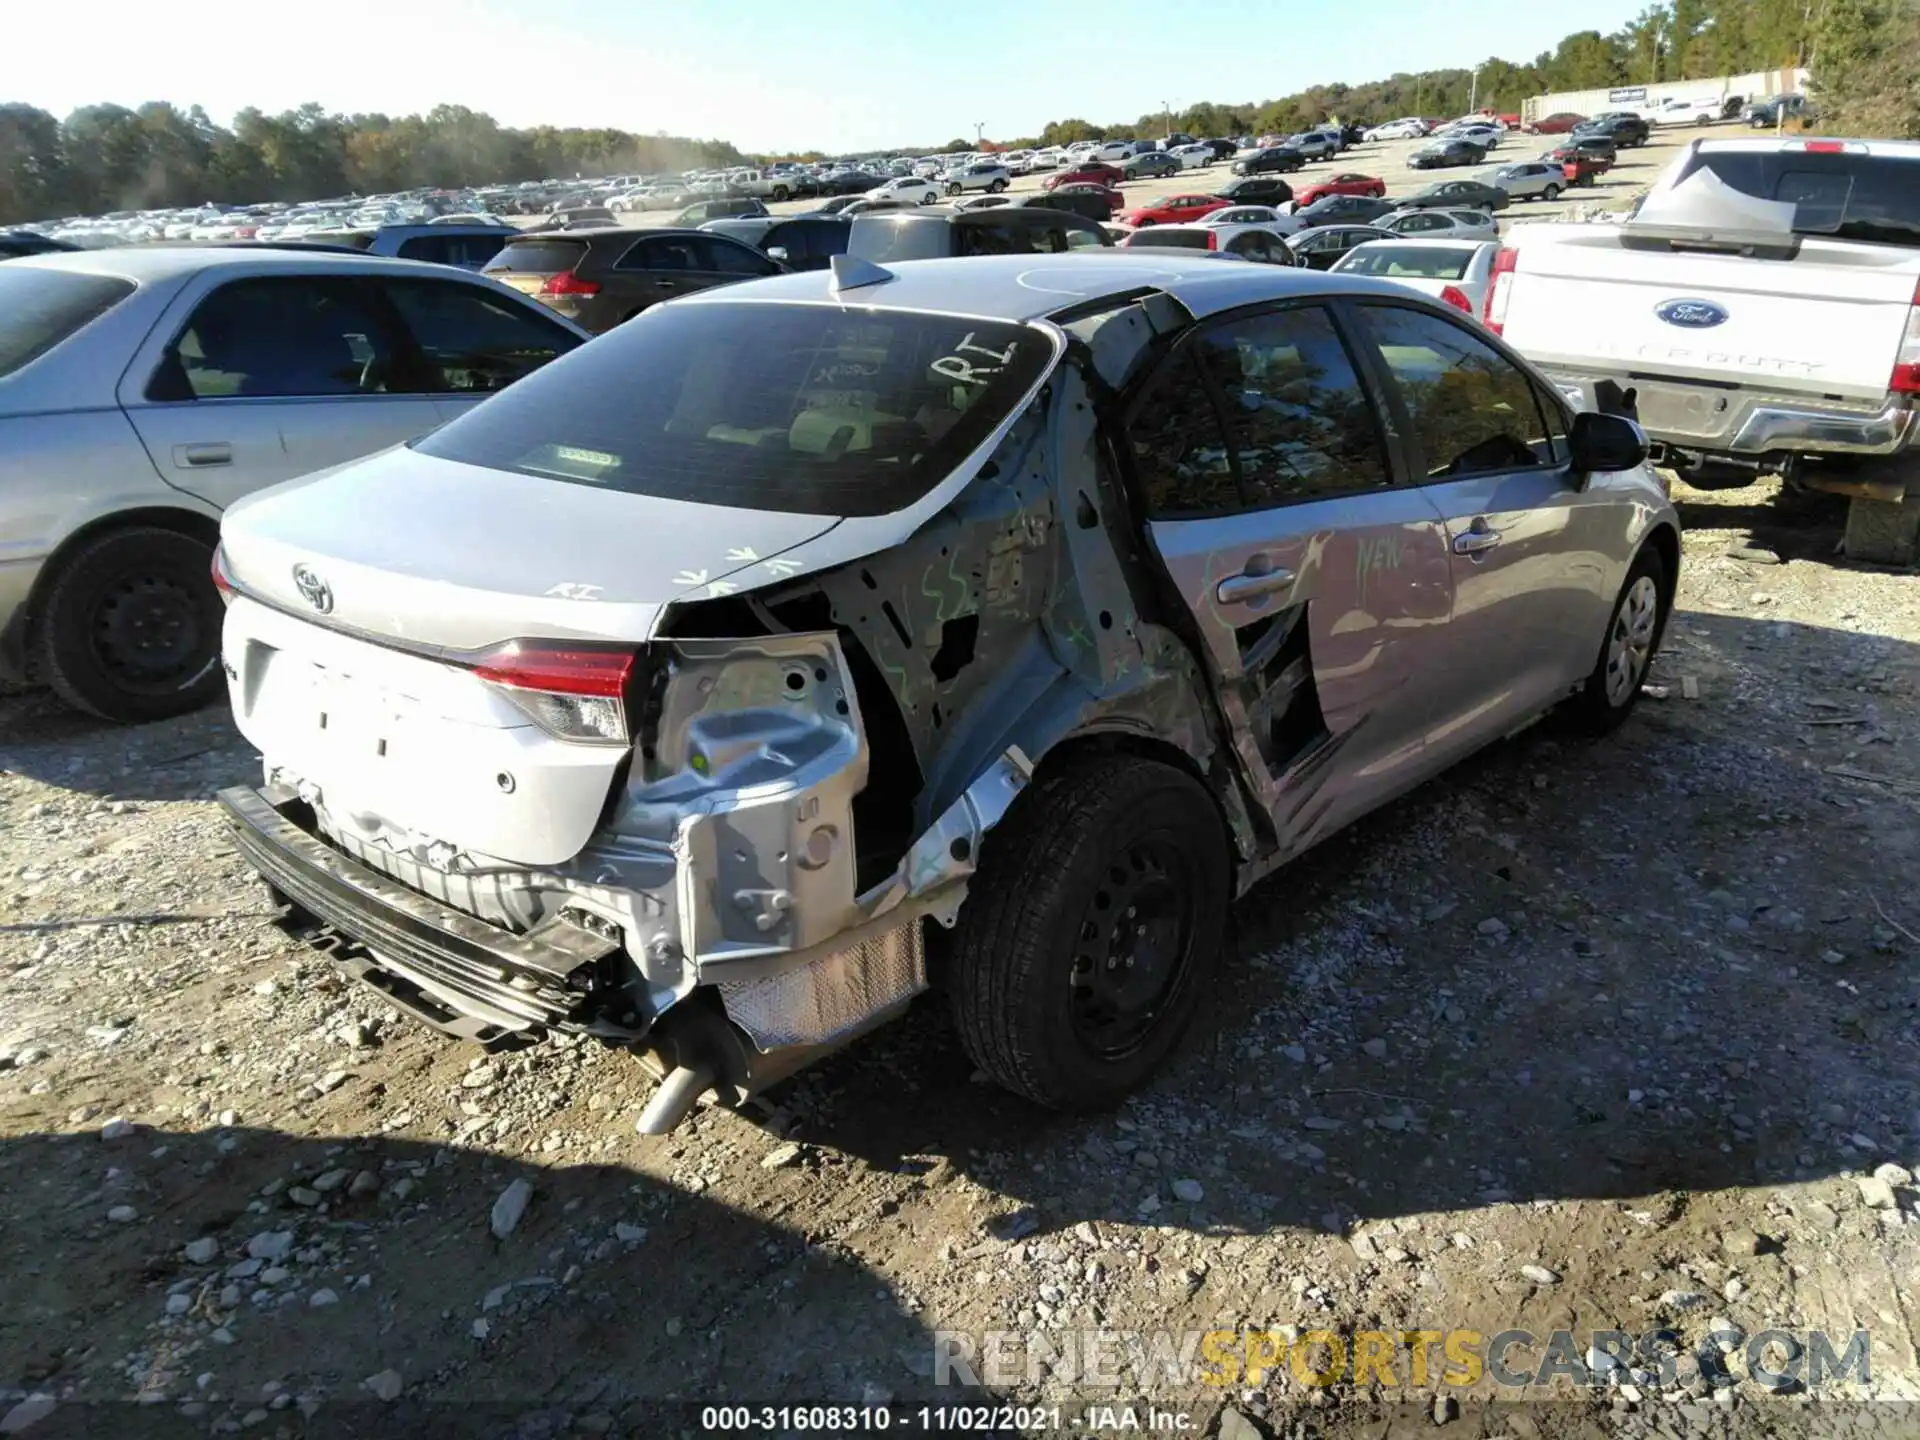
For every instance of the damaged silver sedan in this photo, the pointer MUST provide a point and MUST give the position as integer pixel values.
(989, 623)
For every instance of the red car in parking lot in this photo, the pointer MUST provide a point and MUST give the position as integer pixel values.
(1091, 172)
(1558, 123)
(1581, 167)
(1340, 185)
(1174, 210)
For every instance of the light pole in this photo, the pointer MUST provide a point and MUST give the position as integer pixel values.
(979, 129)
(1166, 112)
(1473, 91)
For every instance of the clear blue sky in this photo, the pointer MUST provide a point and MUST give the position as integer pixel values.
(766, 74)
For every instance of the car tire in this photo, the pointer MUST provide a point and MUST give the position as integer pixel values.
(1883, 532)
(1634, 631)
(1550, 194)
(996, 187)
(129, 629)
(1042, 964)
(954, 189)
(781, 194)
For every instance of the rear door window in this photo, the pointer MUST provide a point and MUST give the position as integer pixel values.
(40, 308)
(1300, 424)
(474, 342)
(285, 336)
(431, 248)
(727, 257)
(665, 252)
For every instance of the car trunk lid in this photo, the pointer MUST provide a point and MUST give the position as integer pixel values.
(371, 612)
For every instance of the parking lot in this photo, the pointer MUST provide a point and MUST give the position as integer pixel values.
(1384, 159)
(1641, 1014)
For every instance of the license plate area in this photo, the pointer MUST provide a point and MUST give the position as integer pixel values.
(1682, 411)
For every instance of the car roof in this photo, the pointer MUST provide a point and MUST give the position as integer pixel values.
(1401, 242)
(1029, 287)
(150, 264)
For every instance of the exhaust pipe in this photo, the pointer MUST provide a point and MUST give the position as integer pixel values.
(674, 1098)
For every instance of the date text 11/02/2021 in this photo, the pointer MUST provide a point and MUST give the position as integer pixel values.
(985, 1419)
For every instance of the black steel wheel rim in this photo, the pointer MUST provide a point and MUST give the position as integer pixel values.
(148, 633)
(1133, 952)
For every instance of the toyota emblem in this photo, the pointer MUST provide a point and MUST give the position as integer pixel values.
(315, 591)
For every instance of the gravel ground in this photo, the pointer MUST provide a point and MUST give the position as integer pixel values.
(1583, 1036)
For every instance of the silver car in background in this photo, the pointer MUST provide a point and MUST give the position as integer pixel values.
(1050, 600)
(143, 391)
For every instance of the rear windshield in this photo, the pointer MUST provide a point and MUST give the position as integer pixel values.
(1180, 239)
(1848, 196)
(1406, 262)
(809, 409)
(546, 257)
(40, 308)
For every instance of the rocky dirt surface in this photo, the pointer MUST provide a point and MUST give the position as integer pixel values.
(1584, 1036)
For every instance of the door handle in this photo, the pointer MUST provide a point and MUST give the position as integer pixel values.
(1476, 540)
(201, 456)
(1245, 586)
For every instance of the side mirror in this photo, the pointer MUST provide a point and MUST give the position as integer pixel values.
(778, 252)
(1599, 444)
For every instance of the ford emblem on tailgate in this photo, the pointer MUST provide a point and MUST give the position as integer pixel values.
(1691, 314)
(315, 591)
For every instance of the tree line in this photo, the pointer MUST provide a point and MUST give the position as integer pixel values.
(106, 157)
(103, 158)
(1863, 53)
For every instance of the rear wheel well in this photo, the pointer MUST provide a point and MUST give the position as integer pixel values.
(19, 642)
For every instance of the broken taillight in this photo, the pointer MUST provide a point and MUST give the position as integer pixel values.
(573, 692)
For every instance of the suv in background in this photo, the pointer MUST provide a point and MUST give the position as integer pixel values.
(1623, 127)
(1006, 230)
(600, 278)
(468, 246)
(807, 242)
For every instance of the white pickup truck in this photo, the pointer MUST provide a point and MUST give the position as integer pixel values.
(1764, 303)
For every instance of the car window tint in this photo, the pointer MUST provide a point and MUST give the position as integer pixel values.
(474, 341)
(307, 335)
(663, 252)
(41, 308)
(728, 258)
(432, 248)
(1471, 408)
(1179, 450)
(1301, 425)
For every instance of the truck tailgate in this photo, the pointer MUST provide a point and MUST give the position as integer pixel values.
(1827, 322)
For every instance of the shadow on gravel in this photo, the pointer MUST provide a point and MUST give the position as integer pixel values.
(1796, 524)
(686, 1301)
(1649, 965)
(180, 759)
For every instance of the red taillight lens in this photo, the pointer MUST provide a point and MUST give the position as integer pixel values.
(567, 283)
(1213, 239)
(573, 692)
(1505, 261)
(1457, 298)
(1906, 364)
(222, 581)
(1823, 147)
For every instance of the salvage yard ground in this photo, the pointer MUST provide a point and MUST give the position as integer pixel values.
(1581, 1036)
